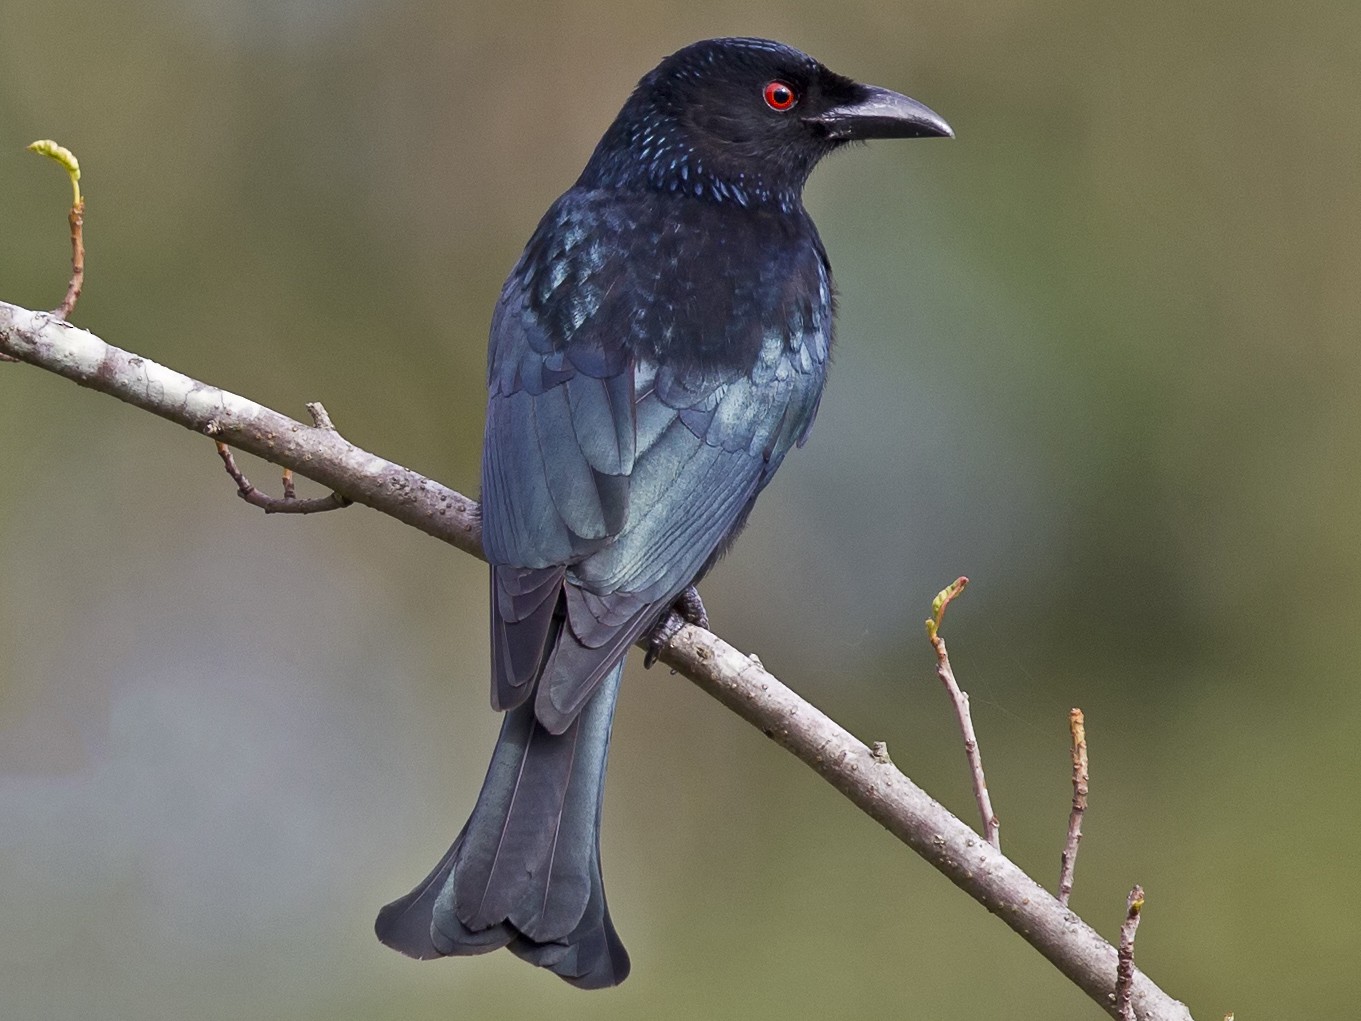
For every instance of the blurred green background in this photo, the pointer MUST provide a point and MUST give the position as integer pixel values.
(1100, 354)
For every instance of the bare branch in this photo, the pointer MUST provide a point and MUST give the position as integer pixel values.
(740, 682)
(318, 453)
(289, 504)
(321, 418)
(960, 700)
(1124, 971)
(1078, 728)
(67, 160)
(76, 218)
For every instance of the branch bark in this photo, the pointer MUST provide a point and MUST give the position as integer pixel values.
(1077, 727)
(868, 779)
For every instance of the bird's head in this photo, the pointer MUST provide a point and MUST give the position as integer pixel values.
(745, 120)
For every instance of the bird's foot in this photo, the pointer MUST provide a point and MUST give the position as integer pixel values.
(687, 609)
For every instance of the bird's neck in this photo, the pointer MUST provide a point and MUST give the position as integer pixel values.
(654, 155)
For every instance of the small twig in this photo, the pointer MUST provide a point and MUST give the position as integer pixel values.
(991, 825)
(1077, 726)
(1124, 968)
(321, 418)
(47, 147)
(288, 504)
(73, 289)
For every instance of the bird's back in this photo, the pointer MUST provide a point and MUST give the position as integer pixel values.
(654, 356)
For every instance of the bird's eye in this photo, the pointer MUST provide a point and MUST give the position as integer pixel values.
(780, 96)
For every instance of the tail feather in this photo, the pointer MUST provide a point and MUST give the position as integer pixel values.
(525, 871)
(524, 604)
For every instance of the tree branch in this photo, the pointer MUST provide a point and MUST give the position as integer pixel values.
(1124, 969)
(286, 504)
(1077, 727)
(868, 778)
(960, 700)
(315, 451)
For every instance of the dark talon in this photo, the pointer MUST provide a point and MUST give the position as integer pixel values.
(687, 609)
(691, 608)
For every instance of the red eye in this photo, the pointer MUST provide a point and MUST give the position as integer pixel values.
(780, 96)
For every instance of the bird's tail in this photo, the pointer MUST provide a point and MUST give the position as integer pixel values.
(525, 871)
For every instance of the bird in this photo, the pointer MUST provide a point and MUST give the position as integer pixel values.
(659, 347)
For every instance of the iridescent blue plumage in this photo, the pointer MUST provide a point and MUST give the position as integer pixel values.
(658, 349)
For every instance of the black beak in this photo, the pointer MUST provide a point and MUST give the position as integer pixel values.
(879, 113)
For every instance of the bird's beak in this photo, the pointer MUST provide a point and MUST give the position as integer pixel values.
(879, 113)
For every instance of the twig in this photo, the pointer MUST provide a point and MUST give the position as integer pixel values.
(991, 825)
(321, 418)
(1078, 728)
(1124, 969)
(290, 504)
(76, 218)
(738, 681)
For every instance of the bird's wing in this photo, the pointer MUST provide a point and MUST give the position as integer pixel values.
(609, 482)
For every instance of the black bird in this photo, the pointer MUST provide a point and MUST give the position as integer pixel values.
(659, 347)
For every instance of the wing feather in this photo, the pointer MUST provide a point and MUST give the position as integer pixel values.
(613, 475)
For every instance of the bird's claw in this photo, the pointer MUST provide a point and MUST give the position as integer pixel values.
(687, 609)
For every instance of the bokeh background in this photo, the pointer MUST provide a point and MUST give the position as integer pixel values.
(1100, 354)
